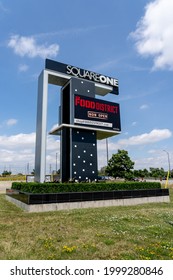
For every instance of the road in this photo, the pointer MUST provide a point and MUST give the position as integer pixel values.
(5, 185)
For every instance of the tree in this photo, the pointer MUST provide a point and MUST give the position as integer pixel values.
(142, 173)
(120, 165)
(33, 172)
(6, 173)
(102, 170)
(146, 172)
(157, 172)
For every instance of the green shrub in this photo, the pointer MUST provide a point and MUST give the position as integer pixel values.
(82, 187)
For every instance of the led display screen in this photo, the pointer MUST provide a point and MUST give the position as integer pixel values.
(96, 113)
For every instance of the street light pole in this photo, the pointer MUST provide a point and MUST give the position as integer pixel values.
(169, 169)
(107, 152)
(56, 162)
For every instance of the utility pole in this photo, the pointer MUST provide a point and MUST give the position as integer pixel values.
(27, 168)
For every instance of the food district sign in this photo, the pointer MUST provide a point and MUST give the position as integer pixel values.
(83, 119)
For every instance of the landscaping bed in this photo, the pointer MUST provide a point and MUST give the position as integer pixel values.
(38, 197)
(62, 197)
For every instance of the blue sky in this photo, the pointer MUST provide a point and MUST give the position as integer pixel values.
(129, 40)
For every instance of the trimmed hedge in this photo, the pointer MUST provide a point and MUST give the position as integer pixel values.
(82, 187)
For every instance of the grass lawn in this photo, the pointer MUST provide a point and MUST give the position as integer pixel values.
(143, 232)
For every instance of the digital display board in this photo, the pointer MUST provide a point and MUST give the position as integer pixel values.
(96, 113)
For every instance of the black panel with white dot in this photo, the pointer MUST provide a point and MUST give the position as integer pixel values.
(83, 87)
(84, 158)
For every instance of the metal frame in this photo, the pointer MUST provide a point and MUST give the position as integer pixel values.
(50, 77)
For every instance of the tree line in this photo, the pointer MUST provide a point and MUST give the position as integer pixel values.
(120, 165)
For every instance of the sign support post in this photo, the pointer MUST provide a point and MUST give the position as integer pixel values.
(40, 150)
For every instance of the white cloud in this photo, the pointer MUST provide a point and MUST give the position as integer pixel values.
(19, 150)
(23, 67)
(152, 151)
(72, 31)
(155, 135)
(3, 8)
(154, 33)
(148, 162)
(134, 123)
(27, 46)
(126, 133)
(8, 123)
(11, 122)
(18, 141)
(144, 107)
(157, 159)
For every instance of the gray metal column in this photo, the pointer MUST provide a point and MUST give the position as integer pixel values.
(41, 129)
